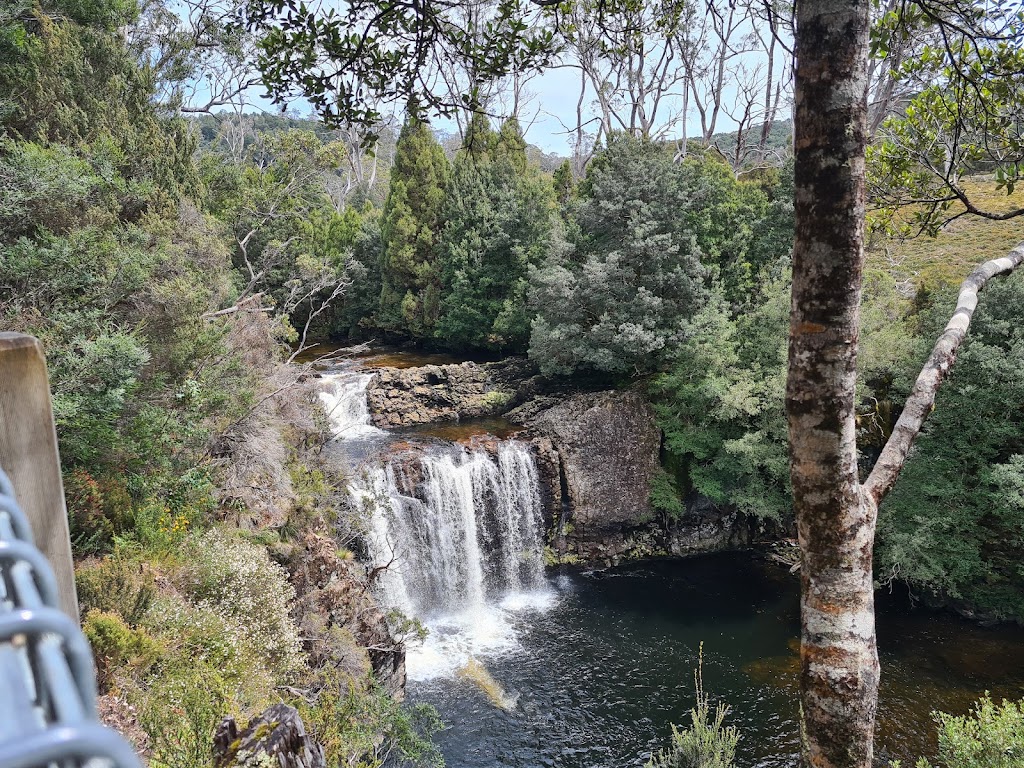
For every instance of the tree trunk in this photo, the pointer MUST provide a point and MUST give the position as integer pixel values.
(835, 520)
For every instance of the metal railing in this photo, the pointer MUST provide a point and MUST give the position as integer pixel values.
(47, 681)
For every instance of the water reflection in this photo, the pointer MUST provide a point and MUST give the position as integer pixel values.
(600, 676)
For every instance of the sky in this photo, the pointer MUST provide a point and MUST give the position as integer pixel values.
(549, 115)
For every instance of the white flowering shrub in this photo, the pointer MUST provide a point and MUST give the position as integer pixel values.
(229, 643)
(209, 669)
(239, 582)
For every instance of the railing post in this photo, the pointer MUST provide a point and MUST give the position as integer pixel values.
(28, 453)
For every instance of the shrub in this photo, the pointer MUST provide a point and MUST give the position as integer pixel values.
(707, 743)
(238, 581)
(90, 528)
(161, 527)
(991, 736)
(115, 585)
(117, 647)
(212, 667)
(665, 496)
(179, 711)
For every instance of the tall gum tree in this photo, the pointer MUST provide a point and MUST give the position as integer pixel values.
(835, 524)
(835, 513)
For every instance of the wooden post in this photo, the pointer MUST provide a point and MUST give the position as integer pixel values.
(28, 454)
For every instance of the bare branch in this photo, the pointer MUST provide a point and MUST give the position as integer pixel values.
(922, 398)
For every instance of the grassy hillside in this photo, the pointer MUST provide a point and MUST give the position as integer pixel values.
(929, 263)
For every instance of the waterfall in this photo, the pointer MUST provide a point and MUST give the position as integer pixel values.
(460, 534)
(467, 533)
(344, 399)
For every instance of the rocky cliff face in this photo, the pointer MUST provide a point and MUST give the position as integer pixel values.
(276, 738)
(597, 456)
(399, 397)
(341, 623)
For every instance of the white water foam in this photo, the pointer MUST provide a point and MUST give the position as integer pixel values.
(480, 632)
(462, 541)
(344, 399)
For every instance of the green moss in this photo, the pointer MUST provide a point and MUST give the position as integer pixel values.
(497, 398)
(552, 557)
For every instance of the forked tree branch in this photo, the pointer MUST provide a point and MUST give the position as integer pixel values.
(922, 398)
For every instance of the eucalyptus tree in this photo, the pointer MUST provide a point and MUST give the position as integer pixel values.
(836, 513)
(632, 58)
(196, 55)
(963, 110)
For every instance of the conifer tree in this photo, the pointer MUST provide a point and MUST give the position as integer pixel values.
(497, 223)
(409, 298)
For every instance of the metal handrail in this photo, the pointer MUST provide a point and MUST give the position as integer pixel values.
(47, 679)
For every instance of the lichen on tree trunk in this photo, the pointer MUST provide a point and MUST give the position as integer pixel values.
(835, 520)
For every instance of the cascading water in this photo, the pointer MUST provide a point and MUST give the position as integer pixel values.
(344, 399)
(459, 532)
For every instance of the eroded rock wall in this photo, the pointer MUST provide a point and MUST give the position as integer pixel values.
(342, 625)
(399, 397)
(597, 455)
(606, 447)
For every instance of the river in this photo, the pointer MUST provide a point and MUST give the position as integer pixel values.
(601, 672)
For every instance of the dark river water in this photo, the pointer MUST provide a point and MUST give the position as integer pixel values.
(599, 674)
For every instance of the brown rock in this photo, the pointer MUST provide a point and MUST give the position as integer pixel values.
(277, 737)
(404, 396)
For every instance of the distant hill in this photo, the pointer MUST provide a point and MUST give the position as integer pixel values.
(779, 143)
(212, 128)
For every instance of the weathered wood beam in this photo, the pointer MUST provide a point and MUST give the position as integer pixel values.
(28, 454)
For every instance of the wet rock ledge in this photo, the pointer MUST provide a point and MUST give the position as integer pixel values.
(401, 397)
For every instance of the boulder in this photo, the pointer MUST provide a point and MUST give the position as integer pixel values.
(597, 454)
(605, 449)
(276, 738)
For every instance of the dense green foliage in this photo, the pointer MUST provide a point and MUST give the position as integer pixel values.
(164, 285)
(497, 224)
(953, 524)
(410, 292)
(720, 405)
(647, 236)
(616, 299)
(112, 275)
